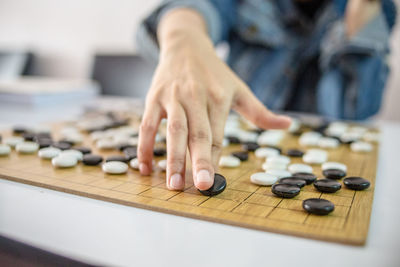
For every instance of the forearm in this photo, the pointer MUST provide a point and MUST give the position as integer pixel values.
(182, 28)
(358, 13)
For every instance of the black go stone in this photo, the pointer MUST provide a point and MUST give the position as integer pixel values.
(84, 150)
(1, 138)
(327, 185)
(293, 181)
(44, 142)
(318, 206)
(122, 147)
(19, 129)
(118, 158)
(308, 177)
(28, 136)
(217, 188)
(334, 173)
(257, 131)
(43, 136)
(130, 152)
(233, 139)
(159, 152)
(67, 141)
(242, 155)
(285, 190)
(92, 160)
(296, 153)
(250, 146)
(62, 145)
(356, 183)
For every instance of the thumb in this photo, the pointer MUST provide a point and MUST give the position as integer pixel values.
(247, 104)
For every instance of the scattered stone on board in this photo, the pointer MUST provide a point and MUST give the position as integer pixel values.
(328, 142)
(13, 141)
(233, 140)
(361, 146)
(334, 165)
(29, 136)
(115, 167)
(273, 166)
(265, 152)
(356, 183)
(20, 129)
(44, 142)
(162, 164)
(308, 177)
(121, 158)
(318, 206)
(218, 186)
(293, 181)
(299, 167)
(285, 190)
(315, 156)
(73, 152)
(5, 150)
(62, 145)
(278, 173)
(309, 138)
(327, 185)
(130, 152)
(296, 153)
(250, 146)
(334, 173)
(49, 152)
(27, 147)
(83, 150)
(278, 159)
(242, 155)
(262, 178)
(92, 160)
(64, 161)
(229, 161)
(159, 152)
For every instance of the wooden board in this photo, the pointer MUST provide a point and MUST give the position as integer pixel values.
(242, 203)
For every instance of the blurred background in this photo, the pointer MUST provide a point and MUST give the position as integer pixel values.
(95, 39)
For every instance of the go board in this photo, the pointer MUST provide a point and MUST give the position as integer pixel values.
(241, 204)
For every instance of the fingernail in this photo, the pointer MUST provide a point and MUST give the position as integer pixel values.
(175, 181)
(203, 176)
(143, 169)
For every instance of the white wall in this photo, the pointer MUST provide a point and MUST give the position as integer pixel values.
(66, 33)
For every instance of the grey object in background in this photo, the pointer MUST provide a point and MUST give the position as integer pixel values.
(13, 64)
(122, 75)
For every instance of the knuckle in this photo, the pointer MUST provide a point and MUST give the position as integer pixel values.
(216, 146)
(199, 136)
(176, 126)
(147, 126)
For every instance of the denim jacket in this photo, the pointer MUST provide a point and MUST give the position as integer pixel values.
(290, 62)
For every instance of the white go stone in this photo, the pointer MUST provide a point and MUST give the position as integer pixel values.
(13, 141)
(299, 167)
(371, 137)
(316, 151)
(73, 152)
(279, 160)
(134, 163)
(27, 147)
(360, 146)
(294, 125)
(246, 136)
(334, 165)
(97, 135)
(350, 137)
(5, 150)
(336, 129)
(262, 178)
(309, 139)
(229, 162)
(105, 144)
(49, 152)
(265, 152)
(270, 138)
(64, 161)
(328, 142)
(162, 164)
(315, 158)
(115, 167)
(225, 142)
(267, 166)
(279, 173)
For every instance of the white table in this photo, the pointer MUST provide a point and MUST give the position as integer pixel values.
(104, 233)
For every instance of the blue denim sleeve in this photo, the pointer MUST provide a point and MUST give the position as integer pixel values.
(219, 16)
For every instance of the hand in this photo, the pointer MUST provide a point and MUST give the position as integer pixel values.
(195, 90)
(358, 13)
